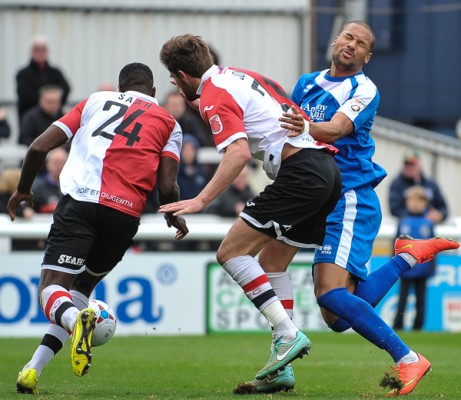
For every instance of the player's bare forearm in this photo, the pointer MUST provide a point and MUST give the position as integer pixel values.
(234, 160)
(169, 196)
(236, 157)
(327, 132)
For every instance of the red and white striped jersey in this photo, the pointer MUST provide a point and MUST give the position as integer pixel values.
(118, 139)
(244, 104)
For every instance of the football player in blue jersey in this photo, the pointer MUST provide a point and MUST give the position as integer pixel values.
(341, 102)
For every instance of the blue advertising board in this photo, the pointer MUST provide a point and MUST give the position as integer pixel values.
(443, 301)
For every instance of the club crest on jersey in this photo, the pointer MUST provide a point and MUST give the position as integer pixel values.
(357, 105)
(216, 124)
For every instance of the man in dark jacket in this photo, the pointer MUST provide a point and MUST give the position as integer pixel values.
(38, 73)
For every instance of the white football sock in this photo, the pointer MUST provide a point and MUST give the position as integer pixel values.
(409, 259)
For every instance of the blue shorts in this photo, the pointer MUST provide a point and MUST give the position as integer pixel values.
(351, 230)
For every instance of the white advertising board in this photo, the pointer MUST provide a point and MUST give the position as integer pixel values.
(151, 293)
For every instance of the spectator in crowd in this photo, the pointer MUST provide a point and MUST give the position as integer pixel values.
(412, 174)
(40, 117)
(416, 224)
(191, 179)
(46, 188)
(189, 120)
(107, 87)
(4, 125)
(232, 201)
(37, 74)
(9, 179)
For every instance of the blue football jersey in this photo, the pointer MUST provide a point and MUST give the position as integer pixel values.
(321, 96)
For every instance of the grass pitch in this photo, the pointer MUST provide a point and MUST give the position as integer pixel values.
(340, 366)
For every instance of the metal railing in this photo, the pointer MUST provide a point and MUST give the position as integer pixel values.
(201, 228)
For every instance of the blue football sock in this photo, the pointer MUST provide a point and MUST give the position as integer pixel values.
(375, 287)
(364, 320)
(340, 325)
(380, 281)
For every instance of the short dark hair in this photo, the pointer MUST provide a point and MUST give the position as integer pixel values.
(135, 75)
(187, 53)
(367, 26)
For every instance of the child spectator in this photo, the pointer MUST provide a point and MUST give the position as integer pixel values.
(419, 226)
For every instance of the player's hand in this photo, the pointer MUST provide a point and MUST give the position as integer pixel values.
(16, 199)
(179, 223)
(293, 121)
(190, 206)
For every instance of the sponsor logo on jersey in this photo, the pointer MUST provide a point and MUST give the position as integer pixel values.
(316, 113)
(357, 105)
(216, 124)
(117, 199)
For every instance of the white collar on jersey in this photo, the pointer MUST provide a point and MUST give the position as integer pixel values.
(143, 96)
(205, 76)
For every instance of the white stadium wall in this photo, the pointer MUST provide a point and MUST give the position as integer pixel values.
(91, 41)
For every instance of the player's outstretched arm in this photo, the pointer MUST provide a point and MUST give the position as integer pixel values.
(234, 160)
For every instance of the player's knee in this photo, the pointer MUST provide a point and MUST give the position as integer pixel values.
(221, 256)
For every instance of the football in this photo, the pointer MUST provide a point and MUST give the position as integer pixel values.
(105, 322)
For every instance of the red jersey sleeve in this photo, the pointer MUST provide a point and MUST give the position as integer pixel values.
(70, 123)
(225, 117)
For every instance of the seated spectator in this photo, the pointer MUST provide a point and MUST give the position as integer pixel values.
(40, 117)
(191, 179)
(190, 121)
(9, 179)
(231, 202)
(46, 188)
(4, 126)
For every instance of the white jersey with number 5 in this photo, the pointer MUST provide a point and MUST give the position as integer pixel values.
(118, 139)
